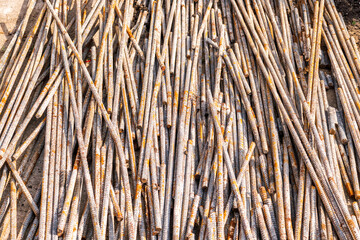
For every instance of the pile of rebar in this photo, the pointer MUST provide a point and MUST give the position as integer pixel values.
(180, 119)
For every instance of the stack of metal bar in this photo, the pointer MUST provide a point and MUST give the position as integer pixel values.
(188, 119)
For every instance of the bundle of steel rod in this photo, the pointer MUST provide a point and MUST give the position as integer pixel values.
(189, 119)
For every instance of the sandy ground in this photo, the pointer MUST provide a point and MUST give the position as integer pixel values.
(11, 12)
(9, 15)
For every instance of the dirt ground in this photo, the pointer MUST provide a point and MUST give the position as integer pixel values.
(350, 10)
(11, 13)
